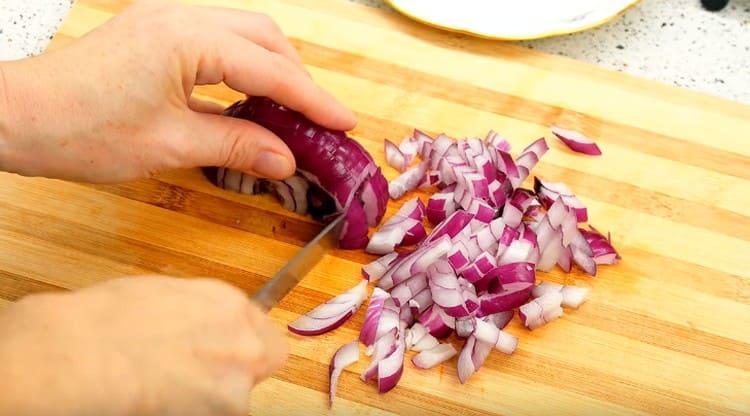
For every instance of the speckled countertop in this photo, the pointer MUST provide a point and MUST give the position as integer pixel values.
(673, 41)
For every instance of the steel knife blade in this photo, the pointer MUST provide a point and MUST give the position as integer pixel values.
(292, 273)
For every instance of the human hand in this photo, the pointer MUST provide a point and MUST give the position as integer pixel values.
(116, 105)
(136, 346)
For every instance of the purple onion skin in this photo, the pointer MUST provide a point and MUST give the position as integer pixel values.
(338, 164)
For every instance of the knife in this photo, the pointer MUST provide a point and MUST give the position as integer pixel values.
(287, 278)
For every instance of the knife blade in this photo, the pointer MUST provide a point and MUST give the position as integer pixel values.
(292, 273)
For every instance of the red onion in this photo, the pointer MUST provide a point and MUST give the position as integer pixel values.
(331, 314)
(375, 270)
(477, 265)
(577, 141)
(434, 356)
(541, 310)
(342, 176)
(344, 357)
(572, 296)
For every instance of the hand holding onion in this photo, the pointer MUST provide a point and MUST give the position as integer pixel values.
(117, 105)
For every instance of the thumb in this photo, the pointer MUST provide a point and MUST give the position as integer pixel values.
(217, 140)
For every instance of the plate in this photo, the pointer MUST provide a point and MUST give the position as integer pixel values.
(513, 20)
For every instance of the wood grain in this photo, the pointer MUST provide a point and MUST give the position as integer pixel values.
(666, 331)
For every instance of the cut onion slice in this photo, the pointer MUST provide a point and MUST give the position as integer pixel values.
(437, 322)
(434, 356)
(541, 310)
(471, 358)
(391, 367)
(577, 141)
(395, 157)
(511, 296)
(489, 333)
(309, 325)
(344, 357)
(375, 270)
(572, 296)
(407, 181)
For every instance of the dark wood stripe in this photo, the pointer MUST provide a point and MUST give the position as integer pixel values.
(523, 109)
(643, 328)
(278, 224)
(14, 286)
(118, 248)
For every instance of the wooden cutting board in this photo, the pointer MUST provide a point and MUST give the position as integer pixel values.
(665, 332)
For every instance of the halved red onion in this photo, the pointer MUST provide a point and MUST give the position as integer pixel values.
(345, 356)
(331, 314)
(434, 356)
(577, 141)
(541, 310)
(572, 296)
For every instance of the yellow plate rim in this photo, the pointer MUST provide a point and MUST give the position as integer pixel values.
(393, 4)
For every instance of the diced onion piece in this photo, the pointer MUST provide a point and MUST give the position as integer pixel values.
(572, 296)
(344, 357)
(577, 141)
(375, 270)
(434, 356)
(407, 181)
(541, 310)
(395, 158)
(309, 325)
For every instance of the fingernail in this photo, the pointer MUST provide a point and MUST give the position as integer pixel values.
(272, 165)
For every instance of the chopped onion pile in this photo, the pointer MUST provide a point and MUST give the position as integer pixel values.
(335, 174)
(478, 264)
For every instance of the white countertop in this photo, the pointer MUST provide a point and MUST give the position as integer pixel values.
(673, 41)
